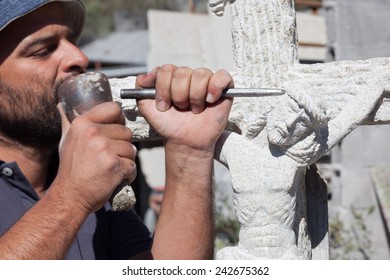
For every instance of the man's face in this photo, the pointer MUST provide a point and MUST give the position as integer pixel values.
(287, 124)
(38, 53)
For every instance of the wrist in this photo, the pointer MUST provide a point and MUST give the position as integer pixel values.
(186, 151)
(65, 199)
(188, 167)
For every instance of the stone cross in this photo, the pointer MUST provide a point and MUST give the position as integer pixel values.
(271, 144)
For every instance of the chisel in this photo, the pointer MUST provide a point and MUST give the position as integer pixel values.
(231, 92)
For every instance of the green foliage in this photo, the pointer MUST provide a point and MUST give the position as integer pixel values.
(354, 241)
(226, 225)
(99, 21)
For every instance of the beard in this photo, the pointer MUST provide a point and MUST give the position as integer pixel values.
(30, 116)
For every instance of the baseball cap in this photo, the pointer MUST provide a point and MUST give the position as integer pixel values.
(11, 10)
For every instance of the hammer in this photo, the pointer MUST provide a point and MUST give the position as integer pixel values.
(78, 95)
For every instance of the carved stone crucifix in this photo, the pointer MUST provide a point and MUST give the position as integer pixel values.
(271, 142)
(279, 139)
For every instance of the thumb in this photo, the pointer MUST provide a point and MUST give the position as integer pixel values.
(65, 124)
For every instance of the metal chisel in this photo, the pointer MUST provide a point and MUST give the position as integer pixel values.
(231, 92)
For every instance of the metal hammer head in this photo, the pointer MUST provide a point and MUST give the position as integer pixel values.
(81, 93)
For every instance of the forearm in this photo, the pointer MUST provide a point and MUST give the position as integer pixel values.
(46, 231)
(185, 229)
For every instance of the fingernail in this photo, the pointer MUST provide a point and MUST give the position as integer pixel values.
(209, 98)
(162, 106)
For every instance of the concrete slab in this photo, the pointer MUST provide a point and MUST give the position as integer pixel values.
(361, 28)
(311, 36)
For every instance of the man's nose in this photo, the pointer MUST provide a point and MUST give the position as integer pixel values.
(74, 60)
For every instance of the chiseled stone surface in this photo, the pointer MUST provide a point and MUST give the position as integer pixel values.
(271, 142)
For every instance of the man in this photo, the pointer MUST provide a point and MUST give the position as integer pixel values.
(55, 211)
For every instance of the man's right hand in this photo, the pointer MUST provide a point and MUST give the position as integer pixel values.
(96, 155)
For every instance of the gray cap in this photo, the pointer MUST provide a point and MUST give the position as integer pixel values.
(11, 10)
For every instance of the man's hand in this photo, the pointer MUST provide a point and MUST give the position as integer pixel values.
(190, 115)
(187, 109)
(96, 155)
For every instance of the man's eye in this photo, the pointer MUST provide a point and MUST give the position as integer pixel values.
(41, 53)
(44, 52)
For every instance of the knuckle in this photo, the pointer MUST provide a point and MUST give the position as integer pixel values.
(91, 131)
(223, 72)
(181, 72)
(127, 133)
(168, 68)
(112, 164)
(134, 151)
(155, 69)
(99, 144)
(201, 72)
(130, 151)
(133, 172)
(78, 122)
(115, 110)
(129, 169)
(224, 75)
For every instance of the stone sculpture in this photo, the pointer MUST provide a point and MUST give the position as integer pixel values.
(323, 104)
(270, 143)
(268, 169)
